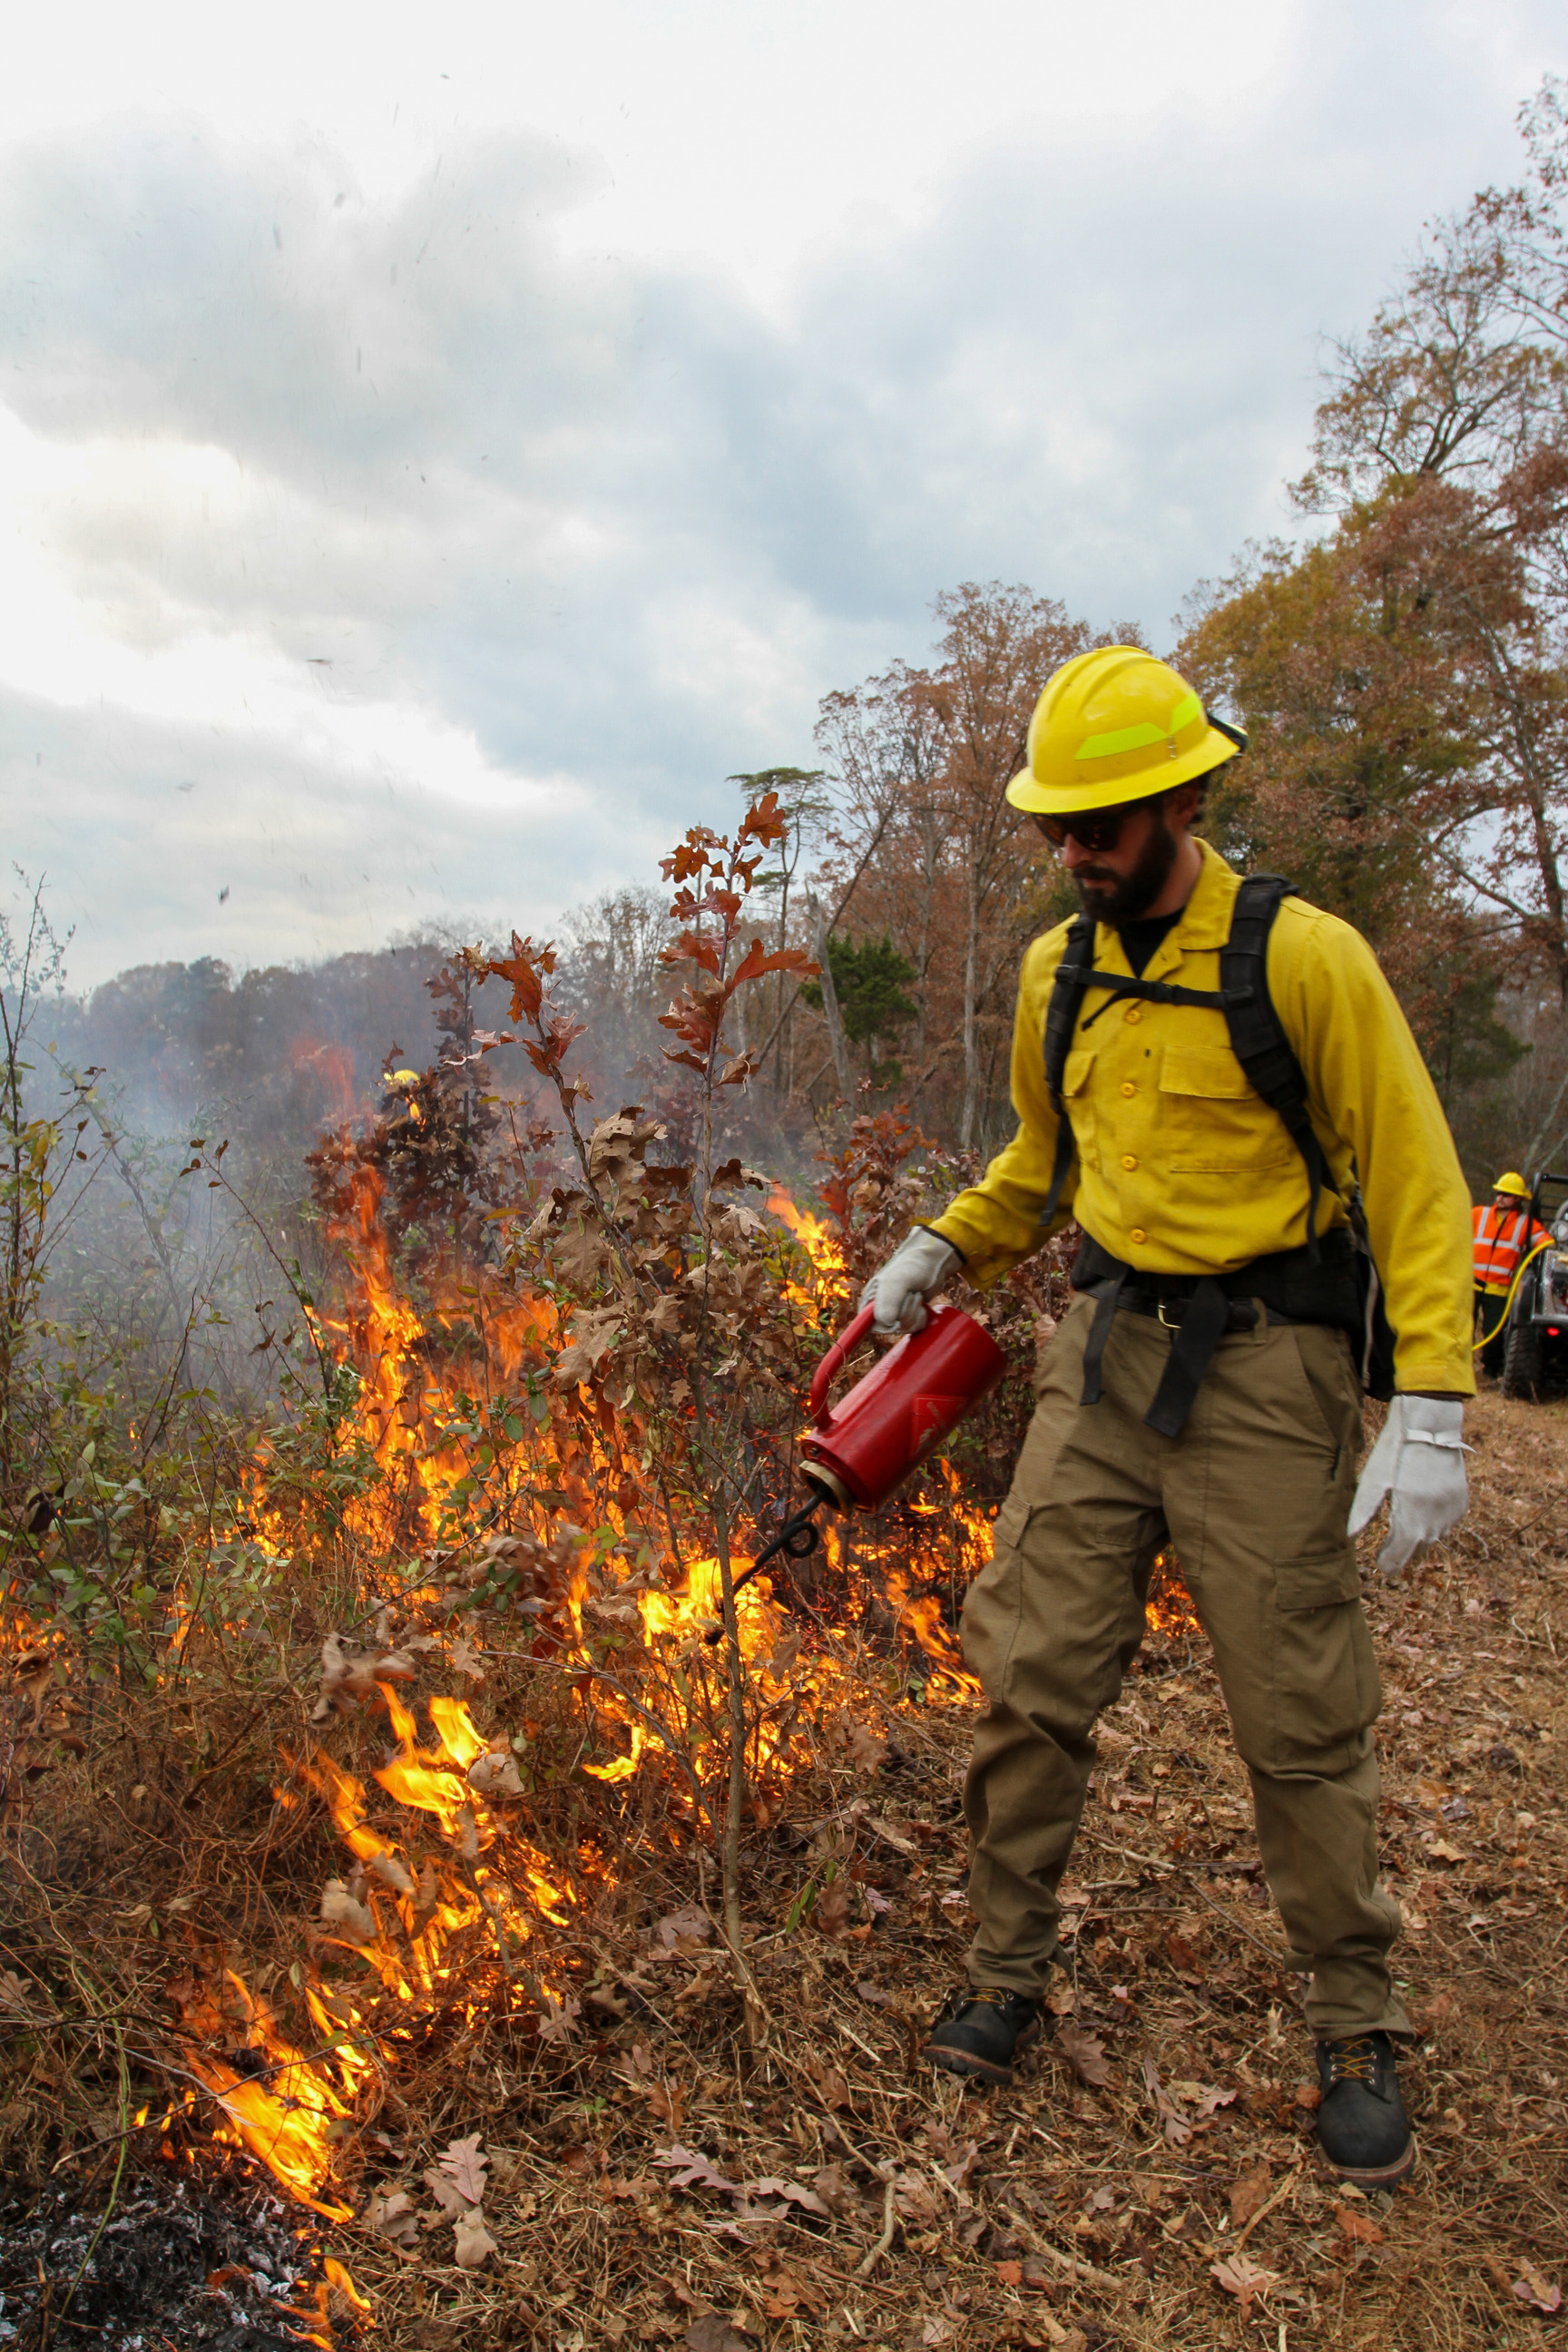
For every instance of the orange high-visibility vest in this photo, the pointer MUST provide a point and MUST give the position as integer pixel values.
(1501, 1237)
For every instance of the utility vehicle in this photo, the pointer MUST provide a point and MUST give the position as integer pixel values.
(1535, 1353)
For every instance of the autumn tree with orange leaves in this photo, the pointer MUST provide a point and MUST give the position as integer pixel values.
(923, 756)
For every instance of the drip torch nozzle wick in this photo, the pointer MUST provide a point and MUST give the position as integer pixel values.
(797, 1536)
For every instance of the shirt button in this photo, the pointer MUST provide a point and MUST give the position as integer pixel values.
(1134, 1013)
(1138, 1236)
(1128, 1160)
(1127, 1087)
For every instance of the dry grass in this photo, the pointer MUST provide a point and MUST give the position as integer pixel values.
(1053, 2214)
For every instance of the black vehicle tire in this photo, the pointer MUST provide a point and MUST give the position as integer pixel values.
(1524, 1360)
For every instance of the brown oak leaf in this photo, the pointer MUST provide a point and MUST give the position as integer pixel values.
(494, 1774)
(831, 2087)
(394, 2217)
(689, 2169)
(837, 2193)
(790, 2190)
(1173, 2123)
(682, 1930)
(831, 1915)
(1244, 2278)
(462, 2164)
(340, 1909)
(713, 2333)
(1536, 2293)
(1249, 2195)
(473, 2243)
(1084, 2052)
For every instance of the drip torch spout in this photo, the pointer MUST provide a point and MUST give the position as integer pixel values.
(797, 1538)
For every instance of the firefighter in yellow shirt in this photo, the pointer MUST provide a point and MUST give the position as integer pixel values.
(1214, 1078)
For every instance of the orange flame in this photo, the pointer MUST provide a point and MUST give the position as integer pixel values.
(457, 1861)
(286, 2111)
(817, 1238)
(337, 2276)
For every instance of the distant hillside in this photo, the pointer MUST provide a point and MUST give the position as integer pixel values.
(282, 1052)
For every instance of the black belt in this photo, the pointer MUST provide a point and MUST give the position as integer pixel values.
(1172, 1312)
(1302, 1285)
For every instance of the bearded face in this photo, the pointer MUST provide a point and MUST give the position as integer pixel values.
(1112, 897)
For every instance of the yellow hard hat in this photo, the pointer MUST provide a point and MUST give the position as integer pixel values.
(1116, 724)
(1512, 1183)
(404, 1078)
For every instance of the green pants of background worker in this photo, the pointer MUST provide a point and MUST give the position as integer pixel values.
(1254, 1497)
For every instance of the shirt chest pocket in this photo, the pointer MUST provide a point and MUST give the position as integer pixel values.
(1078, 1100)
(1212, 1122)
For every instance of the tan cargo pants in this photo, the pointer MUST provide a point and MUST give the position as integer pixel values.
(1254, 1496)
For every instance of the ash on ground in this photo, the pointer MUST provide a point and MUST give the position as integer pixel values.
(179, 2264)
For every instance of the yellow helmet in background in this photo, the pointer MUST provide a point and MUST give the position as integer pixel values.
(404, 1078)
(1512, 1183)
(1116, 724)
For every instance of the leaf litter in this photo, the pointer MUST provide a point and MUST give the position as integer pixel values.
(1112, 2224)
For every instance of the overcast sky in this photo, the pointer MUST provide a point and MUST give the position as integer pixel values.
(437, 446)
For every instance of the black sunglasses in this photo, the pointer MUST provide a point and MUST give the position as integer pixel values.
(1095, 829)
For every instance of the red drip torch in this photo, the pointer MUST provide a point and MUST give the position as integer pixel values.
(862, 1449)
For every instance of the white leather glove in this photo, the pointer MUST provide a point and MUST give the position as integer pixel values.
(898, 1291)
(1419, 1462)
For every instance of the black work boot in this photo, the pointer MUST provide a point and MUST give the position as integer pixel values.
(1361, 2126)
(980, 2030)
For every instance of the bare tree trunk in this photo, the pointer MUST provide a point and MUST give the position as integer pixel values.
(836, 1036)
(970, 993)
(780, 984)
(930, 858)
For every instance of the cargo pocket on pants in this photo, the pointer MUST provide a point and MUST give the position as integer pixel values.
(994, 1605)
(1325, 1684)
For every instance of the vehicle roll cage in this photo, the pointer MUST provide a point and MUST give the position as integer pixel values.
(1548, 1196)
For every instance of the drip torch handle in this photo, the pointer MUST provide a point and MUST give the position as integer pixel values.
(828, 1372)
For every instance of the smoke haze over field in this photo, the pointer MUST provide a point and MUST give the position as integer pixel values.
(434, 461)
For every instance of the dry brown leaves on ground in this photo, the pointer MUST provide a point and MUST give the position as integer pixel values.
(629, 2173)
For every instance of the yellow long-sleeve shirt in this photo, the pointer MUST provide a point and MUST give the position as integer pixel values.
(1183, 1169)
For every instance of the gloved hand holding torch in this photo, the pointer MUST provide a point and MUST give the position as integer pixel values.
(897, 1292)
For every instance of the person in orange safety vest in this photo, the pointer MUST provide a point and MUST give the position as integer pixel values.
(1504, 1235)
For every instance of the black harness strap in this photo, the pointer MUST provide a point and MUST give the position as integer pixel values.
(1061, 1018)
(1105, 1307)
(1257, 1037)
(1205, 1321)
(1153, 992)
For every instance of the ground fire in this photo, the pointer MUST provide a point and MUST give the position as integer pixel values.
(447, 1903)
